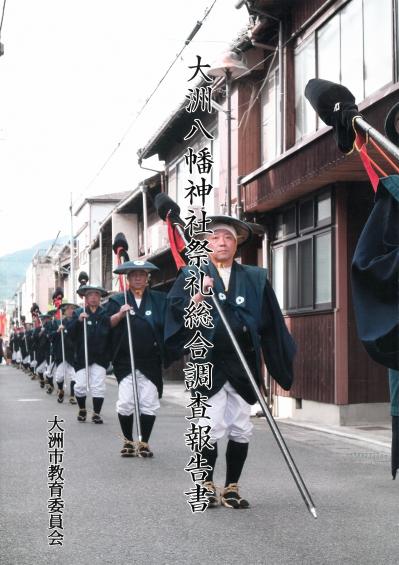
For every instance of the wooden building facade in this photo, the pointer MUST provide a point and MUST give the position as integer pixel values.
(312, 199)
(289, 176)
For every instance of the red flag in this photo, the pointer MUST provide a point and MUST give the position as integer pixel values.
(120, 277)
(177, 243)
(3, 323)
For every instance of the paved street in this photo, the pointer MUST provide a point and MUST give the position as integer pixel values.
(134, 510)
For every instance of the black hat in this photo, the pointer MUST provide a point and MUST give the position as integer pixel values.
(392, 124)
(58, 292)
(335, 105)
(83, 278)
(136, 265)
(45, 315)
(85, 289)
(120, 241)
(65, 305)
(35, 308)
(242, 229)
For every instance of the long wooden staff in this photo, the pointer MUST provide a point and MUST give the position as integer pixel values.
(169, 211)
(120, 247)
(83, 280)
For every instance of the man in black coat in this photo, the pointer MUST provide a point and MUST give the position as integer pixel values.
(12, 344)
(42, 338)
(98, 329)
(145, 310)
(25, 349)
(1, 349)
(64, 368)
(252, 310)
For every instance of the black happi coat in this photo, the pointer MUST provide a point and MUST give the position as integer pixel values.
(69, 346)
(24, 345)
(17, 342)
(375, 277)
(147, 324)
(11, 343)
(31, 342)
(252, 310)
(43, 343)
(98, 334)
(35, 342)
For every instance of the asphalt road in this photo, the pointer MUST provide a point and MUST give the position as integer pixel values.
(134, 510)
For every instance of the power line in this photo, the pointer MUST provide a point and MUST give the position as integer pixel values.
(195, 30)
(2, 15)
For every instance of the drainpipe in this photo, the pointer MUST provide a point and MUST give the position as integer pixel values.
(89, 252)
(145, 218)
(72, 296)
(281, 81)
(239, 207)
(162, 173)
(100, 238)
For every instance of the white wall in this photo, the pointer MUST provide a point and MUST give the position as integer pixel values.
(95, 275)
(94, 214)
(81, 218)
(99, 211)
(127, 224)
(44, 285)
(25, 302)
(38, 287)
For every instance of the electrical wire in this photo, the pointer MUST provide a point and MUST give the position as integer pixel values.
(195, 30)
(2, 15)
(264, 81)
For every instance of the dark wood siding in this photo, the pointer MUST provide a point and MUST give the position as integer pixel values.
(249, 133)
(289, 78)
(312, 166)
(367, 380)
(107, 258)
(302, 11)
(314, 362)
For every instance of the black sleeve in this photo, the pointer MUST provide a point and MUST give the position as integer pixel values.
(112, 307)
(74, 326)
(175, 334)
(278, 347)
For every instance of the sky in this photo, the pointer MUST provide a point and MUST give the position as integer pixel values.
(73, 78)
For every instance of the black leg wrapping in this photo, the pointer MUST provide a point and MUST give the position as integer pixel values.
(97, 404)
(72, 388)
(50, 380)
(147, 423)
(81, 400)
(395, 446)
(236, 454)
(210, 455)
(60, 385)
(126, 423)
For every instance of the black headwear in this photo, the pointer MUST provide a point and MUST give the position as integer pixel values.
(392, 124)
(121, 245)
(85, 289)
(136, 265)
(335, 105)
(58, 292)
(35, 309)
(83, 278)
(243, 229)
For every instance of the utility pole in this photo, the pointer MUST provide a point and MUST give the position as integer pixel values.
(72, 269)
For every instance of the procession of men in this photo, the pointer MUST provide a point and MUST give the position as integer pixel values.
(139, 332)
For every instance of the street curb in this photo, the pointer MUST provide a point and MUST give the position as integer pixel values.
(336, 433)
(180, 401)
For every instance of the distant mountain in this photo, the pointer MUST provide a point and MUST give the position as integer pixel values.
(13, 266)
